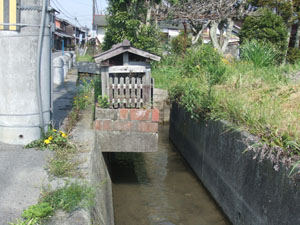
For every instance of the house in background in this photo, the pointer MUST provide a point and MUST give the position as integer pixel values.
(171, 29)
(60, 36)
(67, 35)
(99, 25)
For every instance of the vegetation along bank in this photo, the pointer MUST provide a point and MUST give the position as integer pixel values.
(259, 97)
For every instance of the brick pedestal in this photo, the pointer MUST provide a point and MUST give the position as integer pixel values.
(127, 130)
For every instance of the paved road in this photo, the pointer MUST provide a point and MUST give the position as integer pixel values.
(21, 178)
(63, 99)
(22, 173)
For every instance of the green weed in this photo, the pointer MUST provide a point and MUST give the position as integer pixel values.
(26, 222)
(85, 58)
(103, 102)
(70, 197)
(42, 211)
(260, 54)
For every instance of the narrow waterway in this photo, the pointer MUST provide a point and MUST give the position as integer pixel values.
(160, 189)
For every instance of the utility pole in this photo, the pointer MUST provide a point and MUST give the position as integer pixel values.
(93, 14)
(25, 74)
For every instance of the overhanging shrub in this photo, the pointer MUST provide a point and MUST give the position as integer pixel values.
(205, 60)
(177, 44)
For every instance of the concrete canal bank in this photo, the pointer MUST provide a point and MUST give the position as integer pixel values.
(248, 189)
(159, 188)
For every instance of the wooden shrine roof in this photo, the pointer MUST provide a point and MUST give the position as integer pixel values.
(121, 48)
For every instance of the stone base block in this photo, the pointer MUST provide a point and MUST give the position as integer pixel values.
(121, 141)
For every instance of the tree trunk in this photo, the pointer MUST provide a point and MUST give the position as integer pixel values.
(195, 39)
(228, 35)
(214, 37)
(185, 37)
(297, 36)
(156, 11)
(287, 45)
(148, 15)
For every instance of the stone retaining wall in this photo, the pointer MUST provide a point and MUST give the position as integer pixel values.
(247, 188)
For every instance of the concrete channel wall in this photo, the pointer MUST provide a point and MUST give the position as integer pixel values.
(88, 67)
(94, 172)
(249, 190)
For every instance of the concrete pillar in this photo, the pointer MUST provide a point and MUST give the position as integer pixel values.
(58, 71)
(72, 55)
(19, 111)
(66, 65)
(69, 60)
(74, 60)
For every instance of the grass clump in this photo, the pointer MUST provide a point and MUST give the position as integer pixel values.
(67, 198)
(85, 58)
(260, 54)
(165, 73)
(70, 197)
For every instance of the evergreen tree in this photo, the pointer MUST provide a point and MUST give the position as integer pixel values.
(267, 26)
(127, 20)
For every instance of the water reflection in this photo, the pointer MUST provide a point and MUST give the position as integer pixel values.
(159, 189)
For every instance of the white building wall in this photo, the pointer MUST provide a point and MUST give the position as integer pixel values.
(100, 33)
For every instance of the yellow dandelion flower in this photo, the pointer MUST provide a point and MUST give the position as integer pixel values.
(54, 130)
(86, 96)
(50, 138)
(47, 142)
(64, 135)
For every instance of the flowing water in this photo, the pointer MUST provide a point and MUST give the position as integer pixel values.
(160, 189)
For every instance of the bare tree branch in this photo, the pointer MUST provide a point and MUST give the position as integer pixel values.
(218, 15)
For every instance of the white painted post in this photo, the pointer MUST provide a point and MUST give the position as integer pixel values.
(58, 71)
(66, 65)
(74, 60)
(69, 60)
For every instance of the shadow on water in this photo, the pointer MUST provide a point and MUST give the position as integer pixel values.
(160, 189)
(129, 168)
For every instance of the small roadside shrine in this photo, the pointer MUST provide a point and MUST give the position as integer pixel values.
(130, 124)
(126, 76)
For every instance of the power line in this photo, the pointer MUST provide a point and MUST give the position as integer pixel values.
(97, 10)
(65, 12)
(63, 9)
(78, 22)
